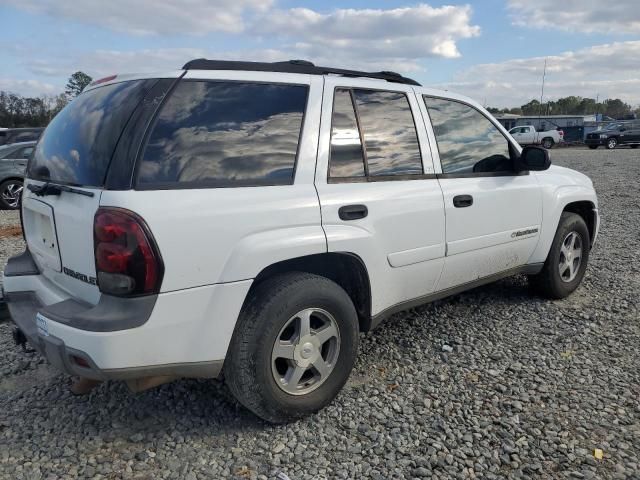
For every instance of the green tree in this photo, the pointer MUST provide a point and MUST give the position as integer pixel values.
(77, 82)
(616, 108)
(532, 108)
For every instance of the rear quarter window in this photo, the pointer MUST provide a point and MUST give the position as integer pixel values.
(224, 134)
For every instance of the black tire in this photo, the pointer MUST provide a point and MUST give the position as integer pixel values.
(248, 367)
(548, 143)
(549, 282)
(8, 199)
(612, 143)
(593, 147)
(635, 146)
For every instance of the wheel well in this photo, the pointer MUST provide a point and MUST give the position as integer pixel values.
(346, 269)
(12, 178)
(585, 210)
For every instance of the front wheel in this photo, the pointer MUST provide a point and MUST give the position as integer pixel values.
(10, 194)
(612, 143)
(294, 347)
(547, 143)
(567, 260)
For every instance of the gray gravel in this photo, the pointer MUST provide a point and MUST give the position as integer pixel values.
(493, 383)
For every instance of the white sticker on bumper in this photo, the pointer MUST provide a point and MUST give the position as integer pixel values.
(43, 325)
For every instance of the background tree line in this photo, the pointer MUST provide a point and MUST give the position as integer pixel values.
(18, 111)
(573, 105)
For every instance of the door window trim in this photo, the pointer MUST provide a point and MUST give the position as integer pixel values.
(512, 147)
(373, 178)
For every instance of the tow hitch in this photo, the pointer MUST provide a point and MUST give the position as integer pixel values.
(21, 340)
(4, 310)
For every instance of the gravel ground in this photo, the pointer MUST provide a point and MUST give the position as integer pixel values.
(529, 388)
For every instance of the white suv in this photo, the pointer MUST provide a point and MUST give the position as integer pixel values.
(252, 219)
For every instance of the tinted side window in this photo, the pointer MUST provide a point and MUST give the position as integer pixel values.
(467, 141)
(347, 159)
(219, 133)
(390, 138)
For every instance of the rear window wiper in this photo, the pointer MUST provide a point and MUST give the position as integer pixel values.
(55, 189)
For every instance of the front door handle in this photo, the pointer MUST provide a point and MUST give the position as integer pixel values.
(353, 212)
(461, 201)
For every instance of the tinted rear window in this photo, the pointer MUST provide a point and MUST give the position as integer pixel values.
(77, 146)
(219, 133)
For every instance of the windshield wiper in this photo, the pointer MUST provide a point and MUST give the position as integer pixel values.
(55, 189)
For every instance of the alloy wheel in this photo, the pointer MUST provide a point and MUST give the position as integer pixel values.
(11, 194)
(570, 257)
(305, 351)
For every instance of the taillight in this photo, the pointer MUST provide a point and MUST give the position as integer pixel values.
(127, 260)
(561, 133)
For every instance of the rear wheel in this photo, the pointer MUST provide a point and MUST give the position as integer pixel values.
(547, 143)
(593, 147)
(635, 146)
(10, 194)
(294, 347)
(567, 260)
(612, 143)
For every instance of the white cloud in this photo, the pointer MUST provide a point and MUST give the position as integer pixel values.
(398, 37)
(144, 17)
(101, 63)
(610, 70)
(28, 88)
(590, 16)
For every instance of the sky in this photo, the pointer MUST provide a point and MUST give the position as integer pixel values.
(491, 50)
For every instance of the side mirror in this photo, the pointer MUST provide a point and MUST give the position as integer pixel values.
(534, 158)
(622, 129)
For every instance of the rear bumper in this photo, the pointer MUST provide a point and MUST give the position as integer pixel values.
(184, 333)
(23, 309)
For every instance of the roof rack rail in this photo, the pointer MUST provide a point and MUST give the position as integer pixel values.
(293, 66)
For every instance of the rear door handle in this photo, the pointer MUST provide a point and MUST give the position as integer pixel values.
(461, 201)
(353, 212)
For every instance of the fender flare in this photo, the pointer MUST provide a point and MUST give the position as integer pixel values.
(553, 206)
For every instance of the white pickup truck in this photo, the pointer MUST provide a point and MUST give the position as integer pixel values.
(527, 135)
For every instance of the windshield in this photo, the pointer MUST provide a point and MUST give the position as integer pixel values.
(613, 126)
(77, 146)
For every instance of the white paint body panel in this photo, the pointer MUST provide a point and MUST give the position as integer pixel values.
(214, 242)
(479, 237)
(72, 215)
(401, 240)
(559, 187)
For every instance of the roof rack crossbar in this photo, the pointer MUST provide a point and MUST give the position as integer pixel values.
(293, 66)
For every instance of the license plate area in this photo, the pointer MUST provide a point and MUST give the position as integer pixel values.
(40, 232)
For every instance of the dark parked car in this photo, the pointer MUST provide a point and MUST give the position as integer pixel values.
(13, 161)
(614, 134)
(15, 135)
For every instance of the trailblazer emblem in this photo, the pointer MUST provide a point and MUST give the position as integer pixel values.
(521, 233)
